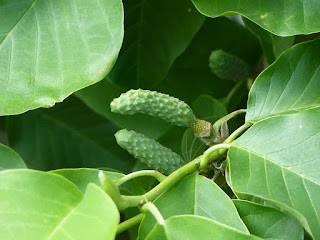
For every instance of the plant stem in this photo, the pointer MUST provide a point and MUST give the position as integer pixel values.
(170, 181)
(200, 163)
(219, 122)
(212, 153)
(150, 207)
(237, 132)
(159, 176)
(130, 223)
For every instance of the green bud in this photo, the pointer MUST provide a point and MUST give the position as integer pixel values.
(149, 151)
(201, 128)
(155, 104)
(228, 67)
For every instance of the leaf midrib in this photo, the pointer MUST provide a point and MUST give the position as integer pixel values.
(275, 163)
(284, 113)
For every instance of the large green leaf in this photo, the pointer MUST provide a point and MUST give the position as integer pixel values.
(291, 84)
(83, 176)
(195, 195)
(271, 45)
(99, 96)
(195, 227)
(68, 135)
(207, 108)
(157, 32)
(37, 205)
(277, 159)
(190, 75)
(49, 49)
(191, 146)
(10, 159)
(283, 18)
(267, 222)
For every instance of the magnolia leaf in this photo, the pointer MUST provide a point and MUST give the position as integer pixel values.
(10, 159)
(282, 18)
(267, 222)
(50, 49)
(37, 205)
(195, 227)
(157, 32)
(272, 45)
(68, 135)
(195, 195)
(190, 75)
(290, 84)
(207, 108)
(191, 146)
(277, 160)
(81, 177)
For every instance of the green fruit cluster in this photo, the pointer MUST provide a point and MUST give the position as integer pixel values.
(149, 151)
(155, 104)
(228, 67)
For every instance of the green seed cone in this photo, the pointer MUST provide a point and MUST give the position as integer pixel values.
(155, 104)
(149, 151)
(228, 67)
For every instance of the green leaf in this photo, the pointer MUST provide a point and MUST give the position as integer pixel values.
(282, 18)
(191, 146)
(172, 139)
(271, 45)
(267, 222)
(99, 96)
(37, 205)
(291, 84)
(68, 135)
(207, 108)
(277, 160)
(49, 49)
(195, 195)
(190, 75)
(157, 32)
(81, 177)
(195, 227)
(10, 159)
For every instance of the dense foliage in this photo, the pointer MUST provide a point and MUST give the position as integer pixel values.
(159, 119)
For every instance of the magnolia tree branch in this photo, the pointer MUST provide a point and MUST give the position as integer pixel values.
(199, 164)
(130, 223)
(152, 173)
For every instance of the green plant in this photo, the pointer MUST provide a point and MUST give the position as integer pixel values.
(155, 142)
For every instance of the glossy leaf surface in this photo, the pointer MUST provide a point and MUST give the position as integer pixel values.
(291, 84)
(271, 44)
(267, 222)
(191, 69)
(157, 32)
(37, 205)
(68, 135)
(195, 227)
(283, 18)
(10, 159)
(207, 108)
(49, 49)
(81, 177)
(278, 160)
(195, 195)
(191, 146)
